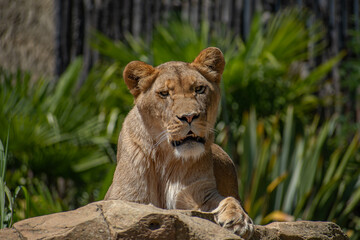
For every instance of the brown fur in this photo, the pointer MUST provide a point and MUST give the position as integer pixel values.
(173, 102)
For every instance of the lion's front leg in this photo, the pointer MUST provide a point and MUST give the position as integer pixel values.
(227, 211)
(230, 215)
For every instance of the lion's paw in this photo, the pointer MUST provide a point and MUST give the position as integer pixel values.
(230, 215)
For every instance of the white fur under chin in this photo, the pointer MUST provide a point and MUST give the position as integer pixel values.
(189, 150)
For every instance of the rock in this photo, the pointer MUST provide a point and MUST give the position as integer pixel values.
(125, 220)
(9, 234)
(299, 230)
(84, 223)
(134, 221)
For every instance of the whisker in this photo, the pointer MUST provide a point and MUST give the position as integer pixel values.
(211, 129)
(161, 138)
(214, 130)
(174, 128)
(161, 134)
(159, 142)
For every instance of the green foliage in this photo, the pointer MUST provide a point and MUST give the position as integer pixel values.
(270, 71)
(3, 188)
(63, 138)
(7, 199)
(298, 176)
(351, 67)
(350, 74)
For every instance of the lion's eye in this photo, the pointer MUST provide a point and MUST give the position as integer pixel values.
(164, 94)
(200, 89)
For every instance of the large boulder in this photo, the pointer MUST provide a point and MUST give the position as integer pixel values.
(125, 220)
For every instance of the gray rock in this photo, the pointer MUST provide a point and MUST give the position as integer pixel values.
(300, 230)
(125, 220)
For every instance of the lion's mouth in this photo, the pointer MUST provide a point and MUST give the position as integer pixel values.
(190, 137)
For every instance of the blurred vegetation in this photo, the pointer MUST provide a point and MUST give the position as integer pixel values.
(293, 163)
(350, 75)
(61, 137)
(7, 198)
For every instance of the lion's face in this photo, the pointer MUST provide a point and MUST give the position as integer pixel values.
(178, 101)
(183, 104)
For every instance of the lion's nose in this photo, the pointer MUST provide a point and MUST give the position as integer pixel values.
(188, 117)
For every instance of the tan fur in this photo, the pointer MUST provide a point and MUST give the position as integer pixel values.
(174, 101)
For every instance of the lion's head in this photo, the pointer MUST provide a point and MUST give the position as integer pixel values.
(178, 101)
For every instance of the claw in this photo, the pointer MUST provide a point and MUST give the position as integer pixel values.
(231, 222)
(231, 216)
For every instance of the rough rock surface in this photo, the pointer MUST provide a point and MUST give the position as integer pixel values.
(124, 220)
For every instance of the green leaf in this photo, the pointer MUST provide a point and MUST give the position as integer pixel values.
(353, 202)
(296, 178)
(285, 154)
(66, 84)
(351, 150)
(2, 203)
(321, 71)
(334, 160)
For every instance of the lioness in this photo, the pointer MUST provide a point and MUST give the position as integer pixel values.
(166, 152)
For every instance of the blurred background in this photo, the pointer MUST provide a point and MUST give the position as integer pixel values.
(289, 114)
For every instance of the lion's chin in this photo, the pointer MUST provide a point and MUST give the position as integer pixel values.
(189, 149)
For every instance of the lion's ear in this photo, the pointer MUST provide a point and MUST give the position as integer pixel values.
(138, 76)
(210, 63)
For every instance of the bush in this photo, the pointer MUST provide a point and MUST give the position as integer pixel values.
(63, 140)
(287, 176)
